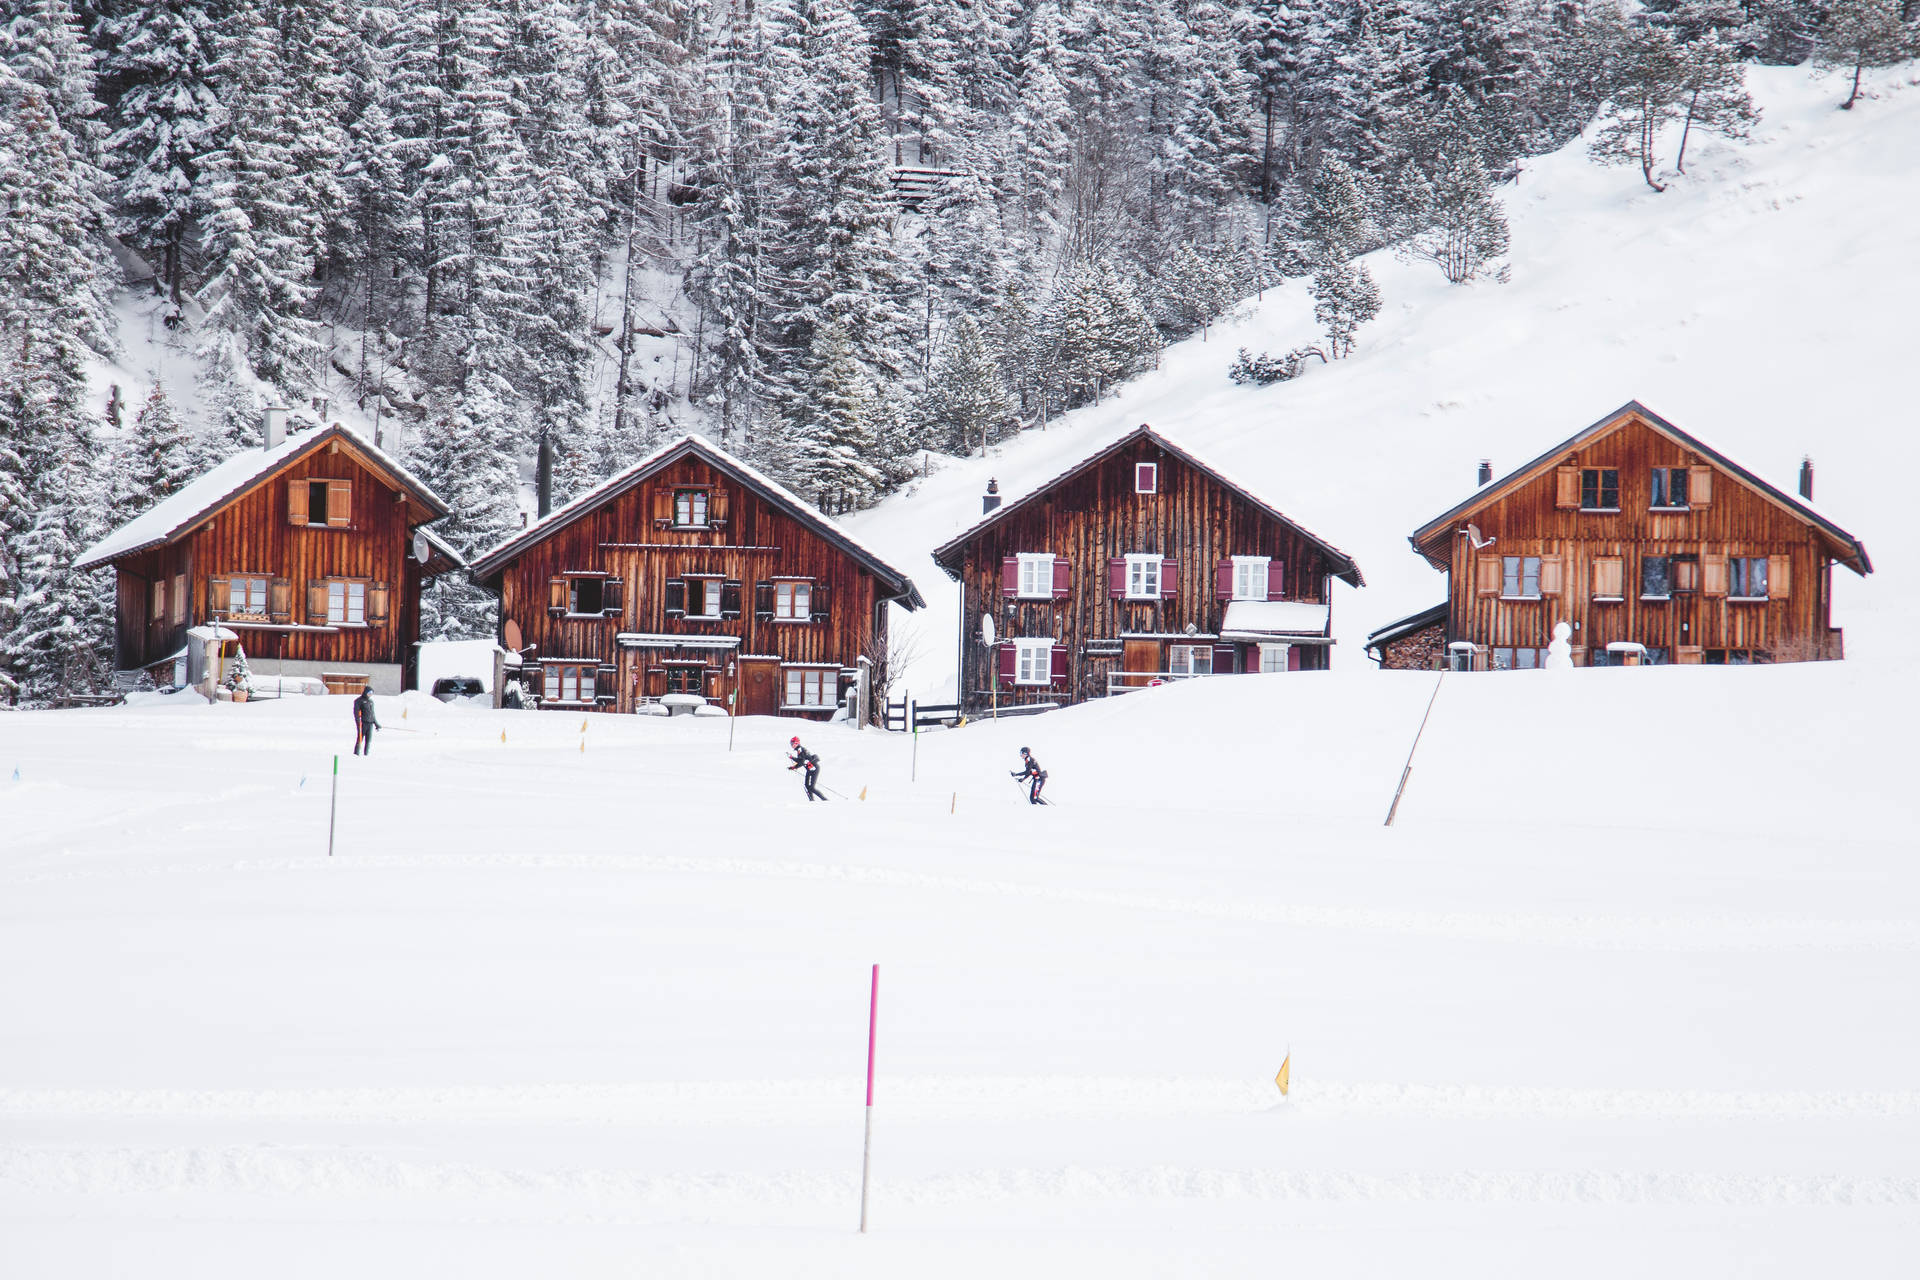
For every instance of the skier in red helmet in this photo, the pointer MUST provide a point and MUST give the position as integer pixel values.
(805, 759)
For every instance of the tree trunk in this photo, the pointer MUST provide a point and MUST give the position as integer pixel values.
(1680, 162)
(1853, 94)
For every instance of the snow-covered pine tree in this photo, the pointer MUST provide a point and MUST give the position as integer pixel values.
(1866, 33)
(60, 640)
(1344, 298)
(967, 401)
(1272, 36)
(1457, 221)
(157, 459)
(1646, 91)
(465, 457)
(1336, 225)
(833, 430)
(1041, 140)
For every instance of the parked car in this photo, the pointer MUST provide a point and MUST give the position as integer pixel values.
(453, 688)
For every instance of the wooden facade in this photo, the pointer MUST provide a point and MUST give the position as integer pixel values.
(692, 574)
(309, 583)
(1652, 546)
(1150, 552)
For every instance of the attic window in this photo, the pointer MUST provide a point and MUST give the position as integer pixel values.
(1146, 477)
(690, 508)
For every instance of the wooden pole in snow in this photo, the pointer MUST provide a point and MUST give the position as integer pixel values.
(866, 1155)
(1407, 771)
(333, 805)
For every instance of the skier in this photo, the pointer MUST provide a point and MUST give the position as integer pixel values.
(364, 723)
(805, 759)
(1030, 768)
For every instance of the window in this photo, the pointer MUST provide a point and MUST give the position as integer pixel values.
(704, 597)
(1190, 660)
(690, 508)
(1249, 578)
(1656, 658)
(567, 682)
(792, 601)
(1656, 577)
(1516, 659)
(813, 688)
(1747, 577)
(1146, 477)
(247, 598)
(347, 604)
(1143, 577)
(686, 679)
(1273, 657)
(1520, 577)
(1735, 657)
(585, 595)
(1669, 488)
(179, 599)
(1033, 661)
(1036, 576)
(159, 609)
(1600, 489)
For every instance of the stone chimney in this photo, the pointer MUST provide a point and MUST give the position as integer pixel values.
(1486, 472)
(1806, 478)
(273, 427)
(990, 500)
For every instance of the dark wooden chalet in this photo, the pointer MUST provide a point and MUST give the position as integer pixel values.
(1141, 564)
(692, 577)
(311, 549)
(1651, 545)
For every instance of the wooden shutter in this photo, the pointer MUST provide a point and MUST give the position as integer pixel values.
(1713, 575)
(1609, 575)
(1552, 575)
(1223, 580)
(1486, 576)
(1276, 579)
(663, 506)
(604, 678)
(1699, 486)
(280, 601)
(317, 601)
(339, 504)
(556, 596)
(1009, 660)
(1117, 577)
(1566, 488)
(1687, 655)
(1169, 578)
(1010, 576)
(763, 601)
(613, 597)
(1057, 671)
(1686, 574)
(1062, 577)
(676, 594)
(377, 604)
(730, 598)
(296, 502)
(1779, 577)
(821, 602)
(717, 506)
(218, 597)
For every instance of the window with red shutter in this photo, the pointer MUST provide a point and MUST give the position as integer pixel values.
(1008, 657)
(1169, 579)
(1010, 576)
(1062, 577)
(1223, 580)
(1276, 579)
(1059, 669)
(1117, 577)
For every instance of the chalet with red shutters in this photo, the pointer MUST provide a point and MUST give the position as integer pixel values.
(693, 582)
(1140, 565)
(308, 554)
(1651, 545)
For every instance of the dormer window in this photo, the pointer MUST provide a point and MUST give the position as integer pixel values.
(1146, 477)
(690, 508)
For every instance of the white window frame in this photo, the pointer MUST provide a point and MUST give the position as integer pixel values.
(1150, 472)
(1143, 570)
(710, 595)
(793, 602)
(1183, 660)
(1247, 570)
(699, 506)
(1742, 574)
(346, 603)
(1520, 578)
(1035, 581)
(238, 594)
(1273, 658)
(571, 682)
(813, 688)
(1033, 662)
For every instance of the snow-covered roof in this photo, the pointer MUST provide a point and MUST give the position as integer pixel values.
(228, 480)
(1350, 573)
(661, 640)
(494, 560)
(1273, 618)
(1407, 625)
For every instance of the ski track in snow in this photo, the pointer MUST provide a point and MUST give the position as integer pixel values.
(1591, 932)
(483, 1193)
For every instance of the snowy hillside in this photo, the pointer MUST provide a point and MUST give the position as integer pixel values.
(1585, 1011)
(1764, 302)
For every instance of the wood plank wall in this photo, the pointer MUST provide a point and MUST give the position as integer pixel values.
(1095, 516)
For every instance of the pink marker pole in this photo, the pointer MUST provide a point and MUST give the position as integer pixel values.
(866, 1157)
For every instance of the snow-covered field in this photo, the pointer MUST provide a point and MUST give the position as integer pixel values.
(1629, 989)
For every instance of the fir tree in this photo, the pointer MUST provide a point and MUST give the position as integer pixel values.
(832, 436)
(1867, 33)
(465, 457)
(1646, 92)
(60, 641)
(967, 401)
(1344, 298)
(158, 459)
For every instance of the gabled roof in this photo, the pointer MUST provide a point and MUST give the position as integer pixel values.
(1408, 625)
(1846, 548)
(232, 480)
(947, 555)
(895, 584)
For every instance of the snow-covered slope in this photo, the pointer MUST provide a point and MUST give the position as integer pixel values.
(1766, 301)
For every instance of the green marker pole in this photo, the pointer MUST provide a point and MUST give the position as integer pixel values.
(333, 805)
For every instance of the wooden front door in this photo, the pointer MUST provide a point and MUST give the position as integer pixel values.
(1142, 655)
(759, 686)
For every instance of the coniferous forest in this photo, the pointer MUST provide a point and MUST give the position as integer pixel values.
(864, 228)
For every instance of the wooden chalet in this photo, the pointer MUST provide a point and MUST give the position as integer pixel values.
(688, 579)
(311, 550)
(1653, 546)
(1139, 565)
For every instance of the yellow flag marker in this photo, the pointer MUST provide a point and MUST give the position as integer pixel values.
(583, 726)
(583, 746)
(503, 737)
(403, 713)
(1285, 1078)
(863, 793)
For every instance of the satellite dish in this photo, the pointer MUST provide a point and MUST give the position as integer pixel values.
(421, 551)
(511, 634)
(1473, 536)
(986, 628)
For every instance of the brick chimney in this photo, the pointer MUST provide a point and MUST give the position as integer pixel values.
(990, 500)
(1486, 472)
(1806, 478)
